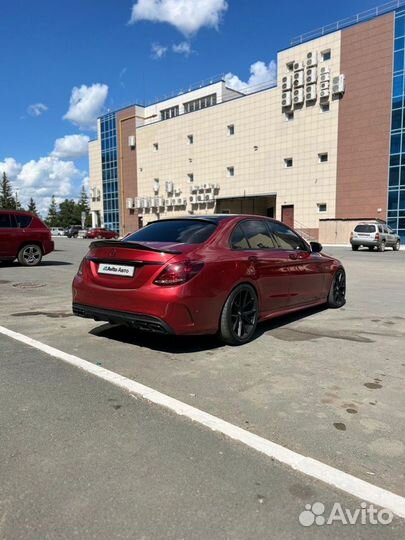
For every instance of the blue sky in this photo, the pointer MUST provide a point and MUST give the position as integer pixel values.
(49, 48)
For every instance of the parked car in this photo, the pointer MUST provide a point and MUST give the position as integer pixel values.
(23, 236)
(57, 231)
(373, 235)
(73, 231)
(101, 233)
(203, 275)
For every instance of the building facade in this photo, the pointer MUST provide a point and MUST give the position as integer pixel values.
(320, 150)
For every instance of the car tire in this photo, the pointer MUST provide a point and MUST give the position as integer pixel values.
(371, 248)
(381, 247)
(355, 248)
(396, 246)
(30, 255)
(337, 292)
(239, 316)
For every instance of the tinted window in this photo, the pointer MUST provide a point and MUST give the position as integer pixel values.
(286, 238)
(5, 221)
(257, 235)
(23, 221)
(380, 229)
(182, 231)
(365, 228)
(238, 239)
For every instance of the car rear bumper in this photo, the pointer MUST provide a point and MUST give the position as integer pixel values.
(364, 242)
(48, 246)
(136, 321)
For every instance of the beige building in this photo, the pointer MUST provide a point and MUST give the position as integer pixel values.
(312, 151)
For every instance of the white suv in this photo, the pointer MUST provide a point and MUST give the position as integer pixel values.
(373, 235)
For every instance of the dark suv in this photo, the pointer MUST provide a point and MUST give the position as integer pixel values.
(72, 231)
(23, 236)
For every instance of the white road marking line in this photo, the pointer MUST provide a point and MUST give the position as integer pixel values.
(308, 466)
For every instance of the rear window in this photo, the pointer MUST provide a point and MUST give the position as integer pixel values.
(365, 228)
(179, 231)
(23, 221)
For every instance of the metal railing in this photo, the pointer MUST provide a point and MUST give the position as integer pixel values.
(349, 21)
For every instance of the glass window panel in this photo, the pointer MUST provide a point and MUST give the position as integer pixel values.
(401, 224)
(392, 222)
(402, 200)
(402, 179)
(395, 144)
(396, 122)
(392, 200)
(397, 102)
(394, 160)
(394, 176)
(399, 43)
(399, 60)
(398, 87)
(399, 26)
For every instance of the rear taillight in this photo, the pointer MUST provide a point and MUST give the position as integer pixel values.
(377, 236)
(80, 270)
(178, 273)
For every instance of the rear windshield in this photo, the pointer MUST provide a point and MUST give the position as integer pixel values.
(179, 231)
(365, 228)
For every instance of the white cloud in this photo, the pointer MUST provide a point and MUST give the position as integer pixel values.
(86, 105)
(188, 16)
(262, 75)
(42, 178)
(158, 51)
(36, 109)
(71, 147)
(183, 47)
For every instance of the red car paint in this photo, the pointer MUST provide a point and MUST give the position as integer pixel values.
(18, 229)
(101, 233)
(285, 280)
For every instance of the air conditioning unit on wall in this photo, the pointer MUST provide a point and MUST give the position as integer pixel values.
(311, 76)
(298, 96)
(338, 85)
(324, 94)
(286, 99)
(298, 66)
(325, 85)
(130, 203)
(286, 83)
(310, 92)
(312, 59)
(298, 79)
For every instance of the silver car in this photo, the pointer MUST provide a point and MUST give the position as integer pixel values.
(373, 235)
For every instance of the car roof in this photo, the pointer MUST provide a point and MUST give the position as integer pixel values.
(10, 210)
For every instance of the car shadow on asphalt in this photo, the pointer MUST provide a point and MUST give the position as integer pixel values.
(190, 344)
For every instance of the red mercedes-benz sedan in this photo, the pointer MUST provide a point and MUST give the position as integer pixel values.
(206, 274)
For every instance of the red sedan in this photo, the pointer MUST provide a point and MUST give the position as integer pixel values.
(206, 274)
(101, 233)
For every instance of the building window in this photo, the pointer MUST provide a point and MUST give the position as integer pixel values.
(288, 162)
(322, 207)
(323, 157)
(169, 113)
(326, 55)
(231, 129)
(190, 139)
(289, 115)
(230, 171)
(201, 103)
(156, 185)
(190, 178)
(325, 107)
(290, 66)
(155, 146)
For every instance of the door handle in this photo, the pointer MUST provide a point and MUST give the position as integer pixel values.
(253, 259)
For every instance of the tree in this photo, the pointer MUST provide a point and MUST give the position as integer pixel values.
(53, 219)
(83, 206)
(69, 213)
(6, 194)
(32, 207)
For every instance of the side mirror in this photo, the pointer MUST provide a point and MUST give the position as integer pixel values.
(316, 247)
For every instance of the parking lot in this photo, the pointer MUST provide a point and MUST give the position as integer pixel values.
(327, 384)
